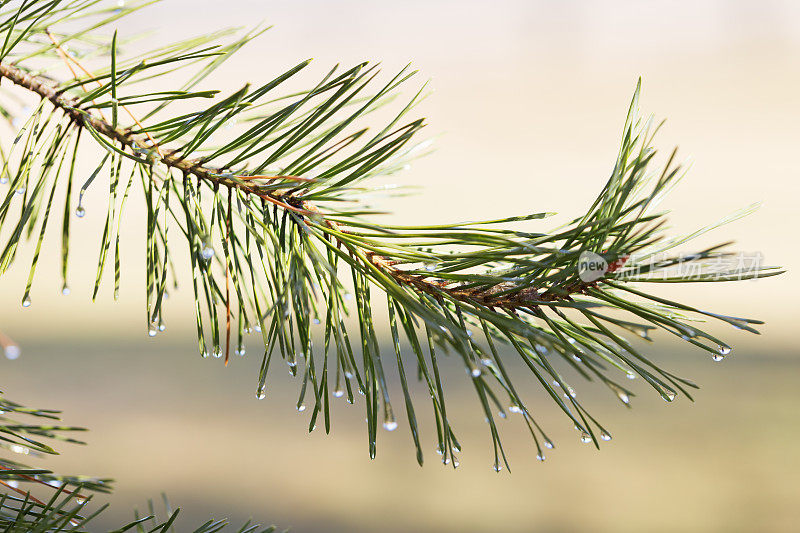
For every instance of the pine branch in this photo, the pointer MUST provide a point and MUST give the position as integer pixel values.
(287, 200)
(283, 199)
(38, 501)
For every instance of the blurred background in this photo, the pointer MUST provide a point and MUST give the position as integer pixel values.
(528, 105)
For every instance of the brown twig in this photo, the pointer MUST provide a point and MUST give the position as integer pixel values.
(30, 496)
(41, 482)
(67, 58)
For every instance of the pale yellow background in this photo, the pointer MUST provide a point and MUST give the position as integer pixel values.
(527, 109)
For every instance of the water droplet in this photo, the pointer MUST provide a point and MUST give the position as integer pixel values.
(257, 328)
(486, 361)
(497, 467)
(456, 464)
(501, 414)
(65, 290)
(80, 211)
(301, 408)
(152, 330)
(475, 372)
(161, 326)
(576, 358)
(21, 190)
(623, 397)
(81, 501)
(207, 252)
(348, 296)
(12, 351)
(348, 374)
(315, 321)
(261, 393)
(3, 180)
(668, 395)
(717, 357)
(605, 436)
(585, 437)
(240, 350)
(540, 457)
(549, 444)
(390, 425)
(14, 484)
(515, 408)
(204, 353)
(630, 375)
(217, 352)
(338, 393)
(26, 302)
(723, 349)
